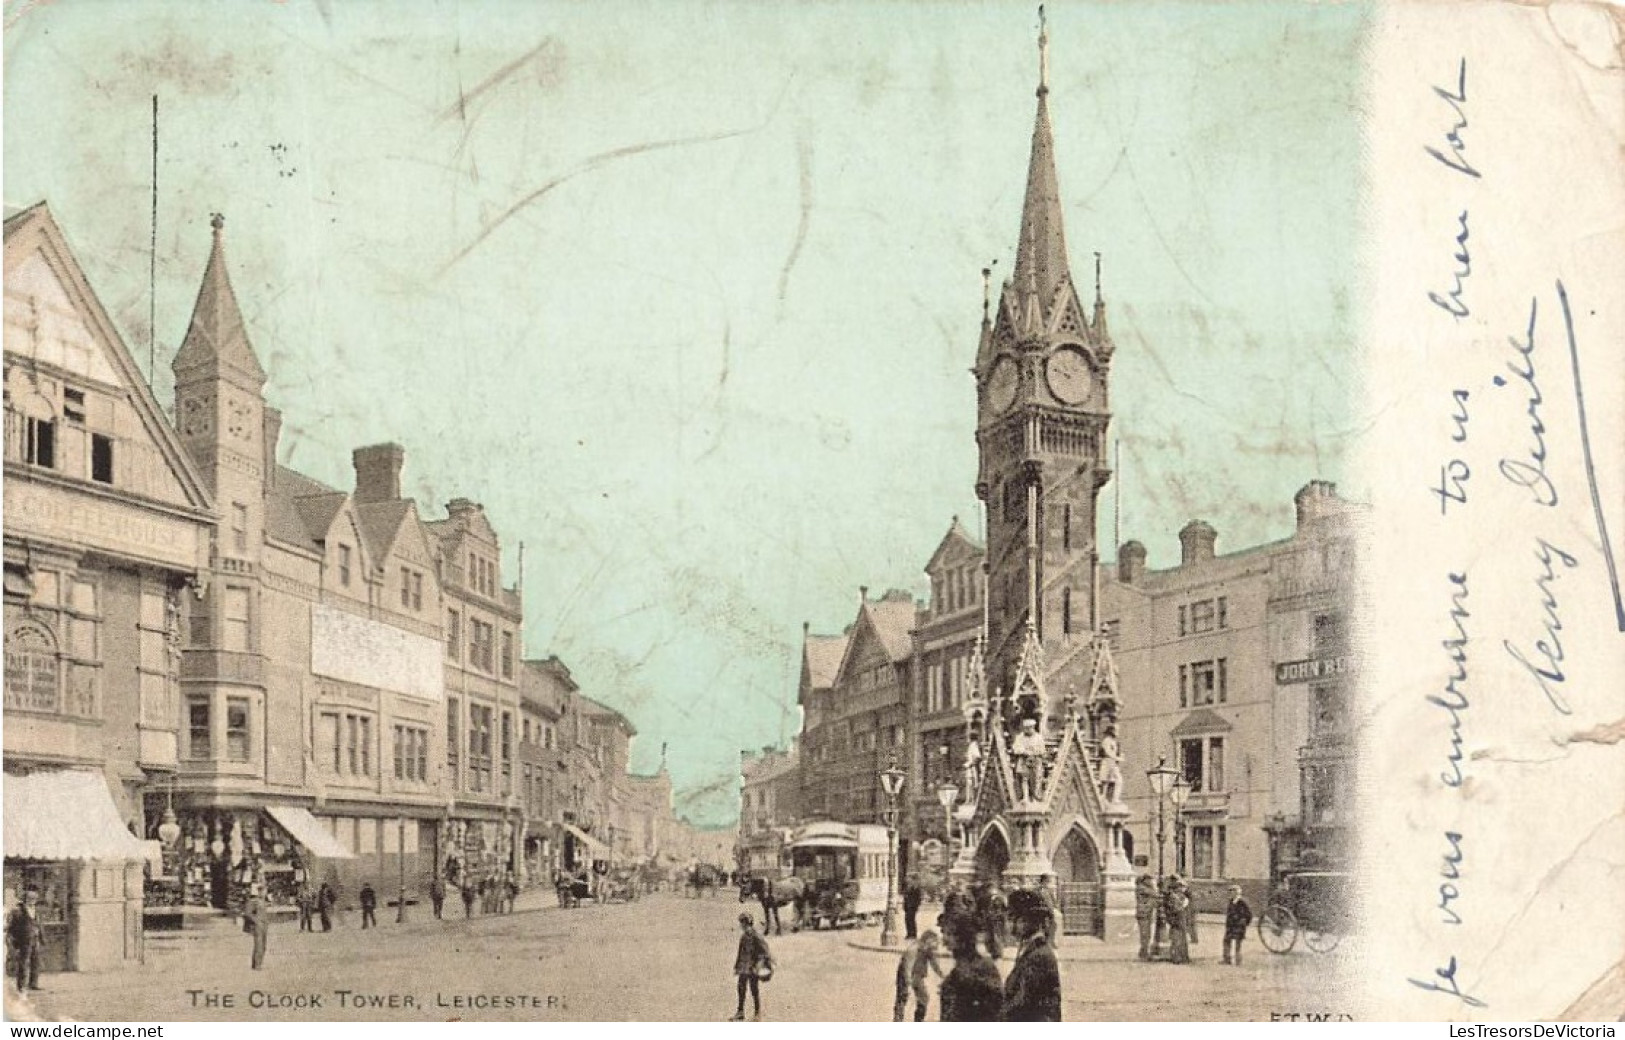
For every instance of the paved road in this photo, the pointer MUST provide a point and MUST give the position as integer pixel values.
(663, 958)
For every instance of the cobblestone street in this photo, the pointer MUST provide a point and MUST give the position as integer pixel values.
(664, 957)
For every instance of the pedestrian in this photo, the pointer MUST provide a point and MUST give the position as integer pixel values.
(918, 957)
(306, 901)
(911, 907)
(998, 921)
(973, 991)
(437, 895)
(1237, 916)
(326, 900)
(752, 964)
(1176, 907)
(26, 936)
(469, 895)
(258, 924)
(1032, 991)
(369, 906)
(1190, 909)
(1145, 911)
(513, 891)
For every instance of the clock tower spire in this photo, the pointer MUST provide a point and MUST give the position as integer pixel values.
(1042, 378)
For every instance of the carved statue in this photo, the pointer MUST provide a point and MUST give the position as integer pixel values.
(1027, 751)
(1111, 766)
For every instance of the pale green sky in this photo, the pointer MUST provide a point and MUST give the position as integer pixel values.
(686, 293)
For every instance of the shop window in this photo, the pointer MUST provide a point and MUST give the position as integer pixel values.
(1206, 859)
(237, 736)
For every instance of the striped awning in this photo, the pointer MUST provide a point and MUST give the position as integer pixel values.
(65, 814)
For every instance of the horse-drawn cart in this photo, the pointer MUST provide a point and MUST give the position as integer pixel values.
(1311, 903)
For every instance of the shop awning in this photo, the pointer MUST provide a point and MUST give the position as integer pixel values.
(65, 814)
(592, 843)
(308, 831)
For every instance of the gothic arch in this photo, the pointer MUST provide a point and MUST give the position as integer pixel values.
(993, 849)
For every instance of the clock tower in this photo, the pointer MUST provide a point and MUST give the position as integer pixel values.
(1042, 379)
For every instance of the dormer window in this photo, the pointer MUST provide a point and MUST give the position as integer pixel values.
(344, 565)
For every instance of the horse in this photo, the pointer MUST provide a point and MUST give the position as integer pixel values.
(774, 893)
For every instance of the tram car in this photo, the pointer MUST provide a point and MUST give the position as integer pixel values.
(843, 867)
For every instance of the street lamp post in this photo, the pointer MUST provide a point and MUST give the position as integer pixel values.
(891, 780)
(947, 794)
(1162, 781)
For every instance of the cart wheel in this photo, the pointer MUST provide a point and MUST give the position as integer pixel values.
(1277, 929)
(1321, 942)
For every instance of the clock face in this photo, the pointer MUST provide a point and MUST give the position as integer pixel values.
(1001, 385)
(1070, 376)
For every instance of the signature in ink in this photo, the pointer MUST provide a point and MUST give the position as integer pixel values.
(1530, 475)
(1457, 159)
(1550, 649)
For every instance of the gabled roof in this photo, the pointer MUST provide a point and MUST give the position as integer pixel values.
(890, 622)
(821, 656)
(956, 543)
(35, 229)
(217, 333)
(381, 523)
(894, 621)
(283, 519)
(319, 512)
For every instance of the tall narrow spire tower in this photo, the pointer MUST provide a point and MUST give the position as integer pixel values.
(1042, 379)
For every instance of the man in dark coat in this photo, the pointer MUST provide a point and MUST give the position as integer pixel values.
(306, 899)
(326, 900)
(911, 908)
(973, 991)
(1032, 991)
(751, 963)
(26, 936)
(369, 906)
(1145, 911)
(1237, 916)
(437, 895)
(469, 895)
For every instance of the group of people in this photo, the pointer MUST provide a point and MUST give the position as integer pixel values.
(495, 893)
(972, 991)
(975, 925)
(1171, 900)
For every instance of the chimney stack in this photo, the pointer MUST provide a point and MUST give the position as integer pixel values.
(378, 472)
(1196, 541)
(1315, 500)
(1130, 563)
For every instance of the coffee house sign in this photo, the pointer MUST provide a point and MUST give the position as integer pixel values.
(1314, 669)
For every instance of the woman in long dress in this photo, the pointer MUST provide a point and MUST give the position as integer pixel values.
(1179, 947)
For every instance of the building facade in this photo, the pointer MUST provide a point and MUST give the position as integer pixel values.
(944, 643)
(108, 529)
(482, 625)
(858, 724)
(545, 687)
(1233, 669)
